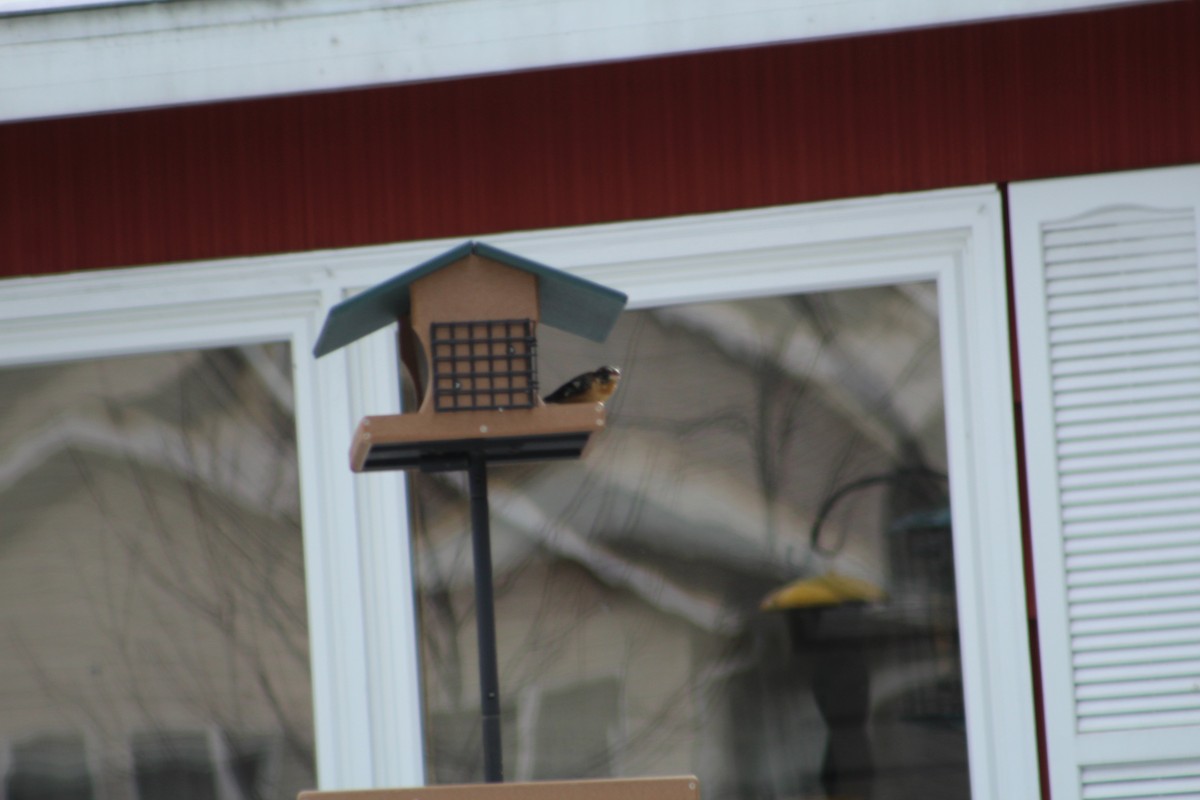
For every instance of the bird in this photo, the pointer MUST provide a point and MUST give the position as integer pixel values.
(590, 387)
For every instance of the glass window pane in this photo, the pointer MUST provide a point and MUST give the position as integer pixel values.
(170, 766)
(49, 768)
(748, 578)
(152, 598)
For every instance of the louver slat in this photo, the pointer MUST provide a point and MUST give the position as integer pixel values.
(1119, 428)
(1098, 611)
(1179, 780)
(1168, 273)
(1135, 722)
(1147, 374)
(1131, 639)
(1142, 489)
(1136, 705)
(1183, 620)
(1146, 570)
(1115, 674)
(1118, 313)
(1114, 226)
(1161, 532)
(1097, 562)
(1117, 329)
(1074, 533)
(1133, 508)
(1102, 249)
(1130, 457)
(1156, 476)
(1179, 405)
(1133, 297)
(1136, 688)
(1064, 355)
(1125, 361)
(1123, 324)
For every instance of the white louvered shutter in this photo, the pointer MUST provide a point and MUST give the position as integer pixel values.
(1107, 282)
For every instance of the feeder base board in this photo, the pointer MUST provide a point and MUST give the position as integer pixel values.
(435, 442)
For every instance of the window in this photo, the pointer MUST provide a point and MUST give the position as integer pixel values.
(152, 574)
(704, 281)
(572, 731)
(824, 379)
(175, 494)
(49, 765)
(760, 452)
(180, 765)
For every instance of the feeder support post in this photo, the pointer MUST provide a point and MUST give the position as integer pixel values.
(485, 618)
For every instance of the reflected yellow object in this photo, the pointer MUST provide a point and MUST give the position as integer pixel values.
(831, 589)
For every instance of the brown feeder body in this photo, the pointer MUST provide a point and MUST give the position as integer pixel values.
(476, 321)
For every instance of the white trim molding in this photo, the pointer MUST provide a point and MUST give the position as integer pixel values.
(146, 54)
(211, 305)
(364, 635)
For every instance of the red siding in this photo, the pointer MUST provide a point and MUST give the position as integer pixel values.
(1095, 92)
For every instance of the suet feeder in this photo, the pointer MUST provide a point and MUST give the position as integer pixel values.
(468, 323)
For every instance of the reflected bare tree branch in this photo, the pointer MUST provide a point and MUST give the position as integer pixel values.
(192, 581)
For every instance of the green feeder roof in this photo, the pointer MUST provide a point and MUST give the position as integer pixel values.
(565, 301)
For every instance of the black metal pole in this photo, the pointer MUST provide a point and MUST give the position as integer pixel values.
(485, 620)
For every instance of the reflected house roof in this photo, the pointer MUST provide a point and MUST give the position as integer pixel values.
(234, 456)
(668, 505)
(629, 533)
(668, 518)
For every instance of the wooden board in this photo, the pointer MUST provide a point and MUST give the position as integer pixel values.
(558, 431)
(683, 787)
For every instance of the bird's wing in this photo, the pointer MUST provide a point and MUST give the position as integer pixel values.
(572, 388)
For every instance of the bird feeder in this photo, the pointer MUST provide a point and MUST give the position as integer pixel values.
(468, 323)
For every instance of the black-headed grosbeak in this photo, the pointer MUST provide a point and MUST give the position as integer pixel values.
(590, 387)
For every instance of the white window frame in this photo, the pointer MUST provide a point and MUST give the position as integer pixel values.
(363, 637)
(216, 304)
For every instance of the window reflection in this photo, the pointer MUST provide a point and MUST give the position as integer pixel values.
(152, 602)
(749, 577)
